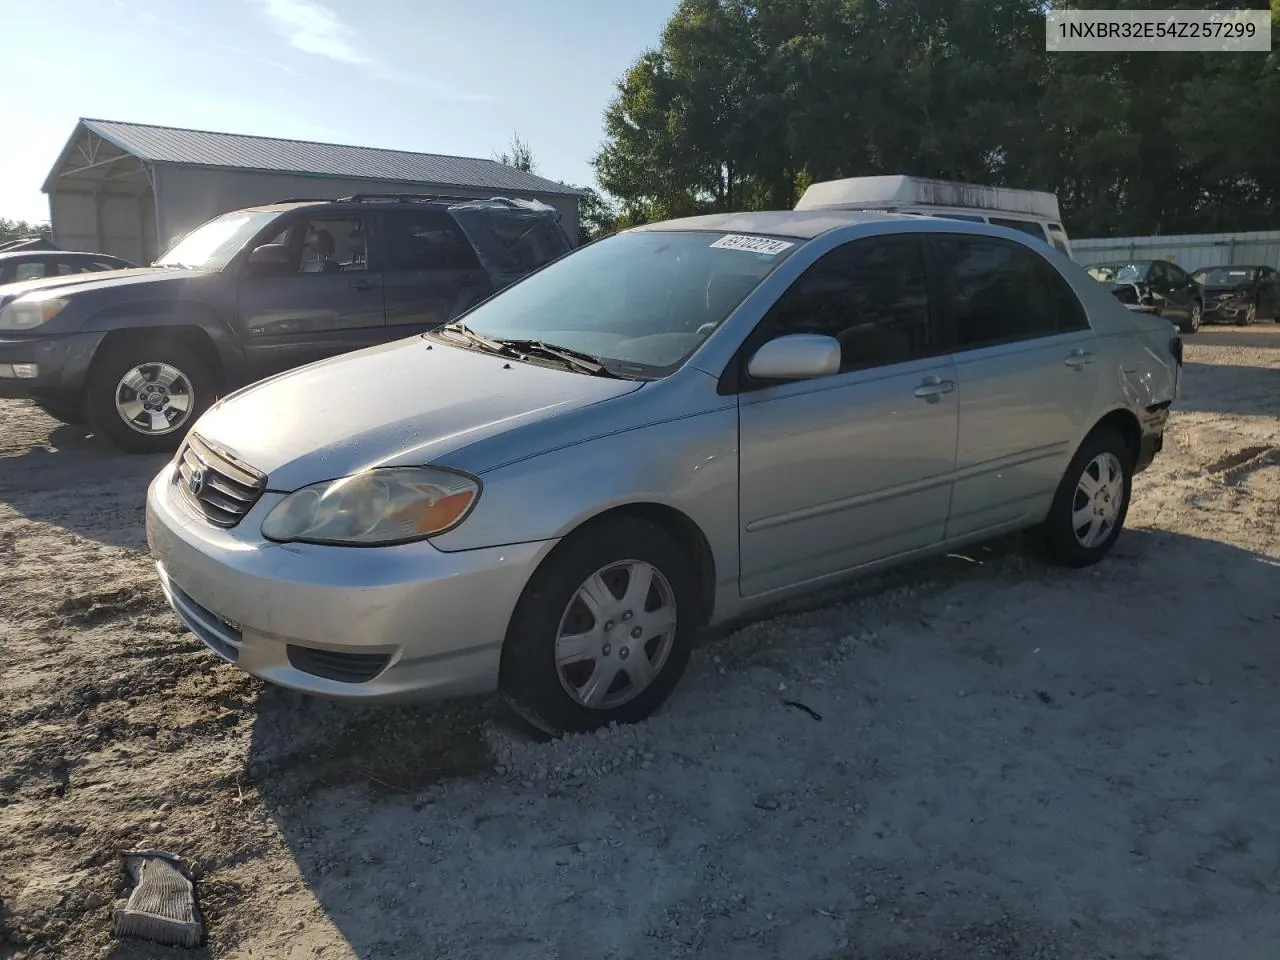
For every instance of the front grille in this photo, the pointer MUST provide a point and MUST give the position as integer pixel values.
(219, 487)
(343, 667)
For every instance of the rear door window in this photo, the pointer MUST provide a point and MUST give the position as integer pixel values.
(425, 240)
(1000, 292)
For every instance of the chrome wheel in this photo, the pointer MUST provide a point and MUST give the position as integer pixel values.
(154, 398)
(1196, 316)
(616, 634)
(1250, 314)
(1099, 497)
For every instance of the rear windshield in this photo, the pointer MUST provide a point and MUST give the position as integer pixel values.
(641, 302)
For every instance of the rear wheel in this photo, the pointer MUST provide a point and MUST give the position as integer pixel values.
(604, 629)
(144, 396)
(1091, 503)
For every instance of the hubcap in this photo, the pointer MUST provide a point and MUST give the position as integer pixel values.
(154, 398)
(1195, 317)
(603, 664)
(1099, 497)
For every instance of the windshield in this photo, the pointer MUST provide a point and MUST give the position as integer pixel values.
(1119, 272)
(1226, 276)
(640, 303)
(211, 247)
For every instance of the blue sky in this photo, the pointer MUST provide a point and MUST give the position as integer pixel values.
(443, 76)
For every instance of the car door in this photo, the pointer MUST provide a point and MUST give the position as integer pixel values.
(324, 300)
(430, 271)
(1184, 292)
(839, 471)
(1027, 368)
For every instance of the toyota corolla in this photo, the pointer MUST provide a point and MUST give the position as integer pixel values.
(665, 429)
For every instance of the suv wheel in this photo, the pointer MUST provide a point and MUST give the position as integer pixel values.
(1249, 317)
(603, 630)
(1091, 503)
(144, 397)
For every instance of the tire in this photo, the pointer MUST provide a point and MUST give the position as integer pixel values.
(63, 412)
(557, 699)
(149, 365)
(1192, 323)
(1057, 537)
(1249, 317)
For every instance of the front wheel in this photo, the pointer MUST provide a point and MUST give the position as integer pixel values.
(1249, 317)
(1091, 502)
(144, 396)
(603, 630)
(1194, 319)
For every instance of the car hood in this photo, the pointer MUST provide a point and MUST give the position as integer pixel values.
(100, 280)
(408, 402)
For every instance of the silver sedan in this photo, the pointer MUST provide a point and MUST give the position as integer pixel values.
(662, 430)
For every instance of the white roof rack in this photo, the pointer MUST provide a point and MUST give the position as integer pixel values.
(889, 192)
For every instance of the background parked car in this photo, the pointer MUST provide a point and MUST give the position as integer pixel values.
(1239, 294)
(669, 427)
(21, 265)
(1154, 286)
(254, 292)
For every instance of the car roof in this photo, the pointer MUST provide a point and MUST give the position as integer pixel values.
(1231, 266)
(800, 224)
(30, 254)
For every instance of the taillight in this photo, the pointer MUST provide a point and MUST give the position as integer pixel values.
(1175, 347)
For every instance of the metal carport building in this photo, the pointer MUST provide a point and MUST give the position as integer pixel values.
(131, 189)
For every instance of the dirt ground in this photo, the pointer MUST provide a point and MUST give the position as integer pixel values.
(1002, 760)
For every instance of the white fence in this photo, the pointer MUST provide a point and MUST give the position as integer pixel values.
(1188, 251)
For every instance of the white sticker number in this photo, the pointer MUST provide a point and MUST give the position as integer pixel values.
(736, 241)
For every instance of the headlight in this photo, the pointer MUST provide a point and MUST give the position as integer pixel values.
(374, 508)
(27, 313)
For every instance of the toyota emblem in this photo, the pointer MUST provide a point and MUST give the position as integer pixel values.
(196, 482)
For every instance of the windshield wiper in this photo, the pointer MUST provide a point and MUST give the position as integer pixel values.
(479, 340)
(574, 358)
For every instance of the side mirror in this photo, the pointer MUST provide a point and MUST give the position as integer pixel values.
(796, 356)
(270, 258)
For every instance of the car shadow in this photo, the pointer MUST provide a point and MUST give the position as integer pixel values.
(1230, 389)
(68, 478)
(363, 796)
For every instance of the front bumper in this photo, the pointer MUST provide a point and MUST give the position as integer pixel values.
(422, 622)
(1225, 311)
(62, 362)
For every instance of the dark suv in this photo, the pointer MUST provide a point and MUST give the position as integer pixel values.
(140, 354)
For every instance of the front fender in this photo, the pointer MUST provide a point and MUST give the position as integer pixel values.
(689, 464)
(157, 314)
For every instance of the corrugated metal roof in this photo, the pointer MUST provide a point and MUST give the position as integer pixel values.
(207, 149)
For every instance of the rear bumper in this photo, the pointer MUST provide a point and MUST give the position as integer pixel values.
(1152, 440)
(61, 362)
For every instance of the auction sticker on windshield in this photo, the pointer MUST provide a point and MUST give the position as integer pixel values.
(736, 241)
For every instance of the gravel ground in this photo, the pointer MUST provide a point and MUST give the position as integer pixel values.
(975, 757)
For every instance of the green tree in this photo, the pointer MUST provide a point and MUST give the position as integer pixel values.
(518, 154)
(19, 229)
(741, 103)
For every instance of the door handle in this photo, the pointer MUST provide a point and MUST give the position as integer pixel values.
(362, 284)
(932, 388)
(1078, 359)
